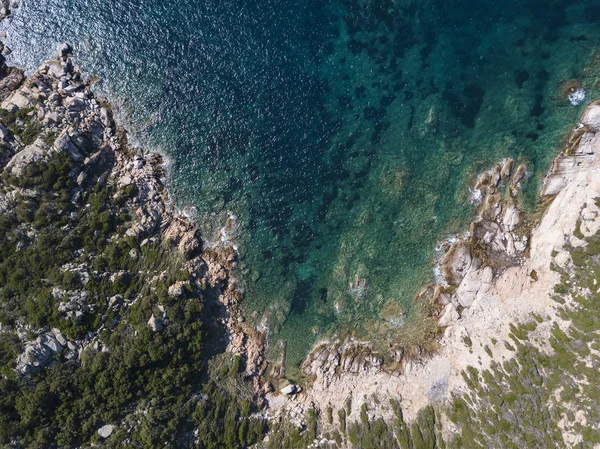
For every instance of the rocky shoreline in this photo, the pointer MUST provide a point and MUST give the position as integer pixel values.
(499, 274)
(58, 97)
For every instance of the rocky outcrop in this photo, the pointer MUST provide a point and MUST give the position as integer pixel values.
(499, 273)
(106, 430)
(37, 353)
(43, 350)
(579, 155)
(349, 356)
(31, 153)
(468, 268)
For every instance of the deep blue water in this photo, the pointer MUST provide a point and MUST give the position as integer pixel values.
(343, 134)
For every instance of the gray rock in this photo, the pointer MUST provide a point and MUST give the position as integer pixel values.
(449, 316)
(51, 343)
(19, 100)
(115, 301)
(288, 389)
(64, 50)
(34, 357)
(9, 83)
(4, 9)
(59, 337)
(71, 355)
(456, 262)
(74, 104)
(177, 289)
(591, 117)
(511, 218)
(105, 118)
(4, 133)
(64, 142)
(155, 324)
(106, 430)
(125, 180)
(22, 159)
(78, 316)
(81, 178)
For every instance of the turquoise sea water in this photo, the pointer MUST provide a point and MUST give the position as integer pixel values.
(343, 134)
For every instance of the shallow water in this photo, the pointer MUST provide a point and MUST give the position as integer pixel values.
(343, 134)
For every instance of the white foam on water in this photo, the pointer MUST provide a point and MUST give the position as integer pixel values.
(577, 97)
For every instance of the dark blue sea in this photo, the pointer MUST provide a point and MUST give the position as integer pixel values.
(343, 134)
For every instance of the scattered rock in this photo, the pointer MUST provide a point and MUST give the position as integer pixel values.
(106, 430)
(449, 316)
(155, 324)
(507, 168)
(288, 389)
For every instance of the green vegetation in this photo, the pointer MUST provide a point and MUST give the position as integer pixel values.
(158, 387)
(67, 263)
(520, 402)
(424, 433)
(22, 123)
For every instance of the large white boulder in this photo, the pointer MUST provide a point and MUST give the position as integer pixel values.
(106, 430)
